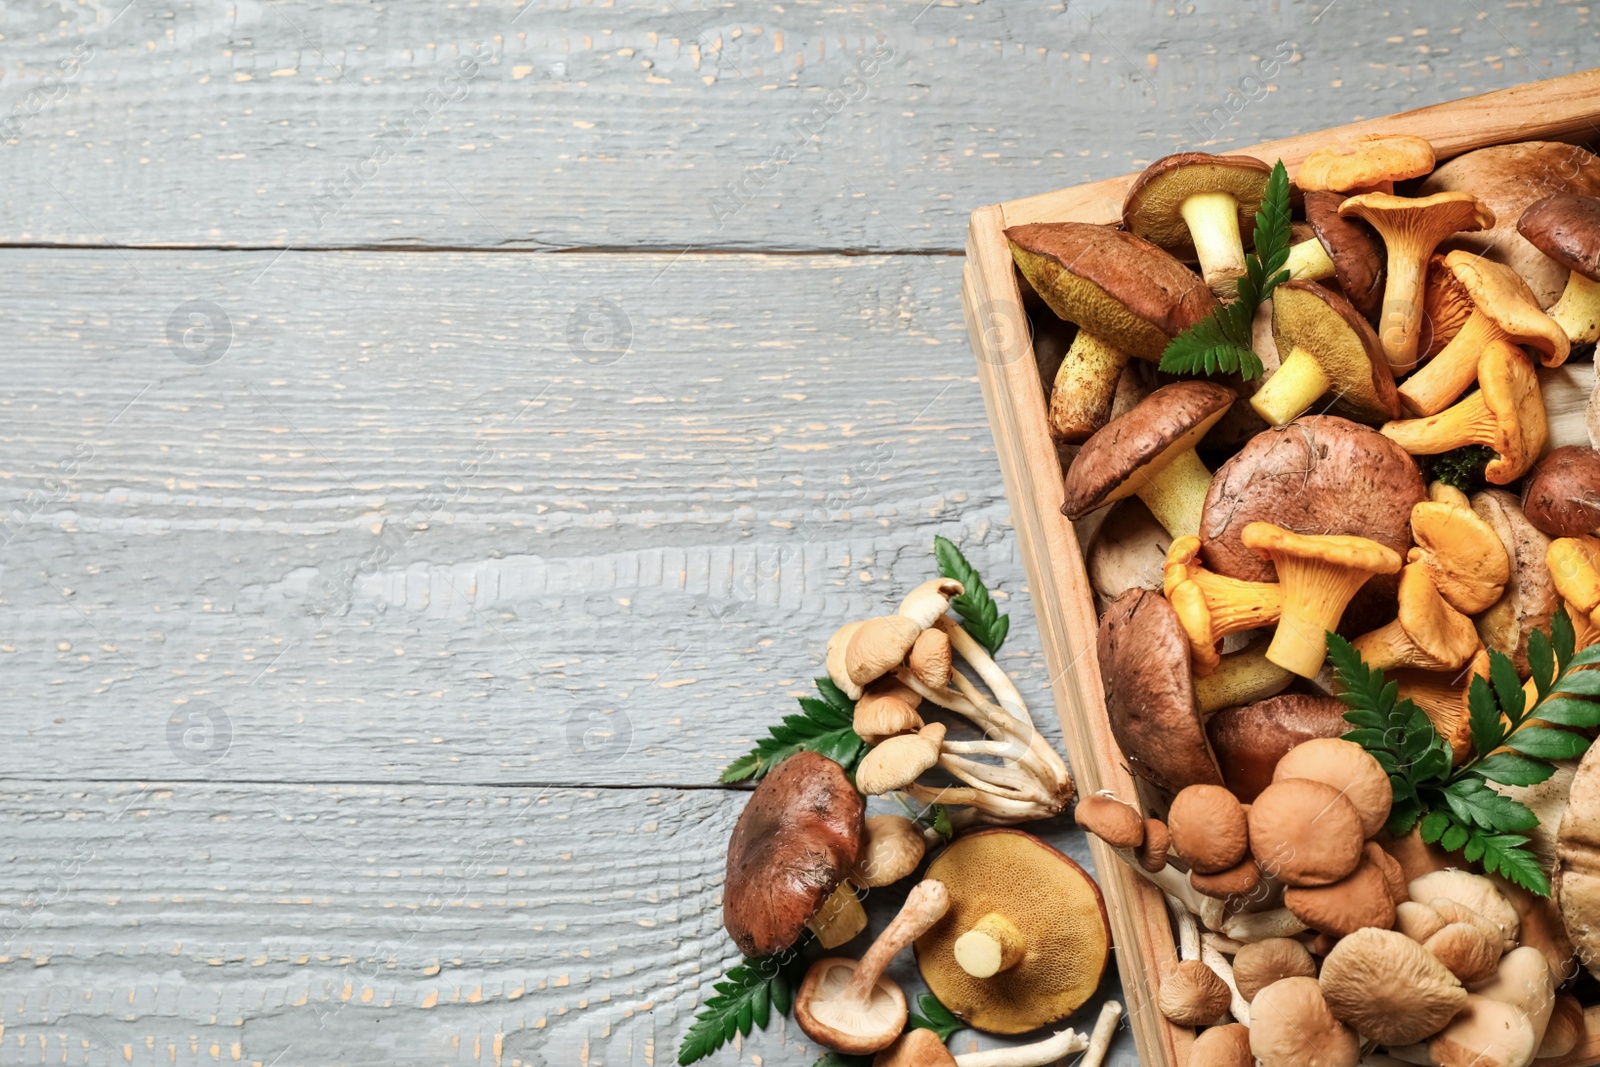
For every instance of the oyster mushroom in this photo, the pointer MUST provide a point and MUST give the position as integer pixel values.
(1127, 297)
(1388, 988)
(1411, 227)
(1195, 205)
(1566, 227)
(849, 1006)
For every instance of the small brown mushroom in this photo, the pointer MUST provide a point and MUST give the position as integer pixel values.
(1208, 828)
(890, 851)
(1222, 1046)
(1250, 740)
(1566, 227)
(1304, 833)
(1340, 248)
(1116, 823)
(1467, 951)
(851, 1007)
(1389, 988)
(1259, 964)
(1348, 768)
(1291, 1026)
(897, 762)
(929, 658)
(1562, 495)
(1192, 994)
(886, 708)
(1195, 205)
(1476, 894)
(1357, 901)
(1152, 851)
(794, 843)
(1237, 881)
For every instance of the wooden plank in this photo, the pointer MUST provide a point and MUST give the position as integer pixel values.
(180, 924)
(738, 125)
(566, 571)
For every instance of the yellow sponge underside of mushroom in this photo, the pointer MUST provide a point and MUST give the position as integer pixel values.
(1301, 319)
(1051, 901)
(1076, 299)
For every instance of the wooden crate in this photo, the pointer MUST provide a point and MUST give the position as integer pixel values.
(1566, 108)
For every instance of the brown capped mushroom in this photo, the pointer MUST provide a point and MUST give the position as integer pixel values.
(1411, 227)
(1250, 740)
(1486, 1033)
(1357, 901)
(1222, 1046)
(849, 1006)
(1566, 227)
(1208, 829)
(1191, 994)
(1503, 309)
(1348, 768)
(1127, 297)
(890, 850)
(1056, 911)
(886, 708)
(1389, 988)
(1291, 1026)
(794, 843)
(898, 761)
(1326, 347)
(1474, 893)
(1562, 495)
(1305, 833)
(1195, 205)
(1149, 453)
(1530, 598)
(1258, 965)
(1116, 823)
(1467, 951)
(1428, 634)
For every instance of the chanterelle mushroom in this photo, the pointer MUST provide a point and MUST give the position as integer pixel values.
(1326, 347)
(1504, 309)
(1566, 227)
(1149, 453)
(1194, 203)
(1212, 606)
(1370, 163)
(1461, 553)
(1506, 413)
(1530, 597)
(795, 841)
(1127, 297)
(851, 1007)
(1039, 910)
(1319, 574)
(1428, 633)
(1411, 228)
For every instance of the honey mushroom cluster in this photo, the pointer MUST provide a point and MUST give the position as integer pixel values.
(891, 664)
(1230, 526)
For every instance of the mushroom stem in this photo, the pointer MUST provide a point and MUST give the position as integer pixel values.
(924, 906)
(1057, 1045)
(1401, 318)
(1187, 929)
(994, 944)
(1085, 387)
(1242, 677)
(1448, 374)
(1105, 1027)
(1293, 388)
(1578, 310)
(1211, 955)
(1213, 220)
(1176, 493)
(1309, 260)
(970, 650)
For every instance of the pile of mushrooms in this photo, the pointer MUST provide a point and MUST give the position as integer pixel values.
(1230, 525)
(1010, 934)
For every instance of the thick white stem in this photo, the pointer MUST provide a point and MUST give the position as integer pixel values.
(1051, 1049)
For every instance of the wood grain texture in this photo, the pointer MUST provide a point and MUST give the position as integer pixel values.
(640, 124)
(177, 924)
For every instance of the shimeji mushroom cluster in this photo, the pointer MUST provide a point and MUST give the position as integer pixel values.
(1231, 524)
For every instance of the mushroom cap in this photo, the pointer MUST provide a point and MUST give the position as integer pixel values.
(1304, 833)
(1566, 1028)
(1054, 904)
(1360, 899)
(1578, 846)
(1152, 208)
(1338, 550)
(1486, 1033)
(1236, 881)
(1365, 161)
(794, 843)
(1473, 892)
(891, 850)
(1152, 851)
(1291, 1026)
(1347, 767)
(915, 1048)
(1144, 669)
(1321, 474)
(1192, 994)
(878, 646)
(1222, 1046)
(1250, 740)
(1511, 393)
(1116, 823)
(1462, 553)
(1389, 988)
(1113, 463)
(1530, 597)
(1424, 219)
(841, 1024)
(1394, 876)
(1208, 829)
(1562, 495)
(1565, 227)
(1354, 249)
(1508, 178)
(1500, 294)
(886, 707)
(930, 658)
(1258, 964)
(1118, 287)
(1320, 321)
(897, 762)
(1467, 951)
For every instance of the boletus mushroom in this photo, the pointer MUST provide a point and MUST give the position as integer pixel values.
(1250, 740)
(1566, 227)
(795, 841)
(1503, 309)
(1195, 205)
(1562, 495)
(1340, 248)
(1127, 297)
(1326, 347)
(1149, 453)
(849, 1006)
(1411, 227)
(1018, 902)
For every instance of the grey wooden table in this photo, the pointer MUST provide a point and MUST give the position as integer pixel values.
(438, 437)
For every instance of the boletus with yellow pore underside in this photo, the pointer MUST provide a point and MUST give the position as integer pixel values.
(1196, 206)
(1566, 227)
(1326, 347)
(1028, 919)
(1126, 296)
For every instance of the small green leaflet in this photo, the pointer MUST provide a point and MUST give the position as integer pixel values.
(980, 617)
(1513, 744)
(941, 822)
(935, 1016)
(744, 998)
(1220, 342)
(1461, 467)
(827, 728)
